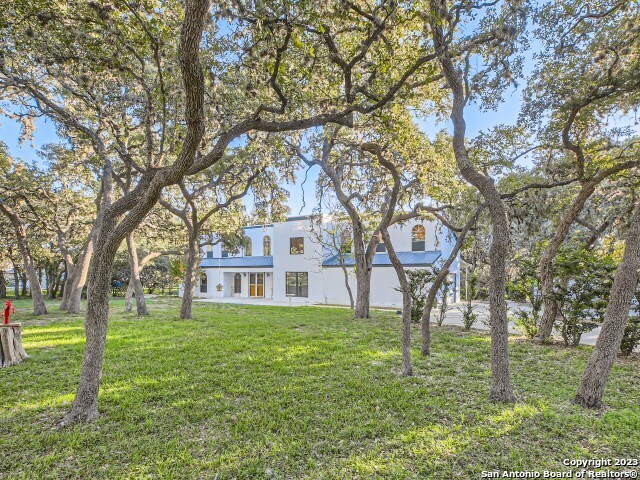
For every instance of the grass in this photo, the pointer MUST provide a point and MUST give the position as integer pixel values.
(277, 392)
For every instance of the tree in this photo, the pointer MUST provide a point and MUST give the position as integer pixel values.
(597, 371)
(497, 43)
(117, 75)
(586, 74)
(336, 241)
(12, 206)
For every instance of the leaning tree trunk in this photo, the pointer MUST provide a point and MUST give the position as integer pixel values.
(550, 306)
(39, 305)
(501, 390)
(85, 403)
(437, 283)
(80, 275)
(407, 370)
(193, 257)
(141, 304)
(346, 282)
(595, 376)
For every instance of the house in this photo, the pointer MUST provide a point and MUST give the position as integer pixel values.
(291, 261)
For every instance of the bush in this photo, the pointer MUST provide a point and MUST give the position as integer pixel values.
(527, 322)
(469, 317)
(582, 288)
(443, 305)
(631, 336)
(419, 280)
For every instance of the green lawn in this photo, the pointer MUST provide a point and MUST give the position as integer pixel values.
(276, 392)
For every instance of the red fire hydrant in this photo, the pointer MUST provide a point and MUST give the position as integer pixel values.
(8, 310)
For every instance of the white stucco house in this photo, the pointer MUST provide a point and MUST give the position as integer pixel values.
(286, 262)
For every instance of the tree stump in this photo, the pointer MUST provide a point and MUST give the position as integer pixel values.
(11, 351)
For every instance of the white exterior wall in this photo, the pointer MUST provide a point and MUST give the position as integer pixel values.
(326, 284)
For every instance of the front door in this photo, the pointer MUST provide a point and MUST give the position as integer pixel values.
(256, 284)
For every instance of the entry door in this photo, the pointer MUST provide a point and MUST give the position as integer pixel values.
(256, 284)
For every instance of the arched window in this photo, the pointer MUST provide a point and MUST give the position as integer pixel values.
(266, 246)
(247, 247)
(237, 283)
(417, 238)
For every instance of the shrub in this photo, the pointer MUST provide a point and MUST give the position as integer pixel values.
(443, 305)
(527, 322)
(631, 337)
(469, 317)
(582, 288)
(418, 282)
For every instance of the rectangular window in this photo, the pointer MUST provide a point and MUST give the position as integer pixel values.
(203, 283)
(209, 251)
(297, 284)
(417, 246)
(296, 245)
(381, 247)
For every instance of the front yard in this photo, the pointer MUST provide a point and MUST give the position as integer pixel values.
(277, 392)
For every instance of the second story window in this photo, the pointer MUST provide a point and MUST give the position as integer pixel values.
(417, 238)
(247, 247)
(296, 245)
(209, 251)
(266, 246)
(381, 247)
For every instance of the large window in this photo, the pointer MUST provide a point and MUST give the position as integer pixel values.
(297, 284)
(203, 283)
(266, 246)
(248, 250)
(296, 245)
(417, 238)
(237, 283)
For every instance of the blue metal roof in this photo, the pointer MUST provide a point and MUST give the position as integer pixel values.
(233, 262)
(408, 259)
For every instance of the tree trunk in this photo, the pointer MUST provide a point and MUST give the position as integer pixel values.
(346, 282)
(141, 304)
(85, 403)
(23, 278)
(80, 275)
(39, 305)
(11, 350)
(550, 308)
(193, 260)
(3, 285)
(363, 271)
(437, 282)
(16, 283)
(595, 376)
(501, 390)
(407, 369)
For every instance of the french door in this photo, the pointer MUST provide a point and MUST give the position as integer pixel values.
(256, 284)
